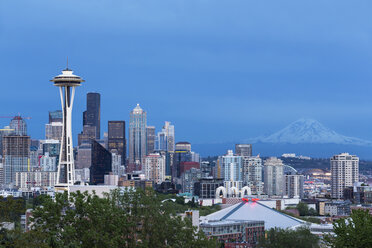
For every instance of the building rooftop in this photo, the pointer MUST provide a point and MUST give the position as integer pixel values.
(255, 211)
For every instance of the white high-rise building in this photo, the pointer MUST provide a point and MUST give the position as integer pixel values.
(116, 164)
(53, 131)
(273, 177)
(48, 163)
(345, 172)
(231, 166)
(294, 186)
(165, 140)
(154, 168)
(252, 174)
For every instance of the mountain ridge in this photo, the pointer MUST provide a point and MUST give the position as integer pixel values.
(309, 131)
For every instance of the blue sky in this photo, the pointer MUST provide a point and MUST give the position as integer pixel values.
(219, 70)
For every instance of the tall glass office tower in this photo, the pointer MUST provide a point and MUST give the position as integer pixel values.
(137, 135)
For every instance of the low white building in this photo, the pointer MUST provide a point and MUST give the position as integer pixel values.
(26, 180)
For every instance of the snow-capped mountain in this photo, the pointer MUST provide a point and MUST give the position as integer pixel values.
(310, 131)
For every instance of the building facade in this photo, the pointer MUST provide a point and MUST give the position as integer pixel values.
(150, 139)
(16, 156)
(244, 150)
(137, 135)
(29, 179)
(206, 187)
(53, 131)
(154, 168)
(101, 163)
(252, 174)
(294, 186)
(116, 139)
(18, 124)
(92, 116)
(345, 172)
(231, 166)
(273, 177)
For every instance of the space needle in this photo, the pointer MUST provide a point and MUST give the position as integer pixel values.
(67, 82)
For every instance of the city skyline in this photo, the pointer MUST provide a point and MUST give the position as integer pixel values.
(305, 63)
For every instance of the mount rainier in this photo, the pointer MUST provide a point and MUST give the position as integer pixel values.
(312, 132)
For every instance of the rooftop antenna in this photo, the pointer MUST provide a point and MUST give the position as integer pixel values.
(67, 63)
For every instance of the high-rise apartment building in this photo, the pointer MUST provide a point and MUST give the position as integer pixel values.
(231, 167)
(16, 156)
(116, 139)
(252, 174)
(244, 150)
(154, 168)
(101, 163)
(137, 135)
(273, 176)
(92, 116)
(294, 186)
(18, 124)
(150, 139)
(345, 172)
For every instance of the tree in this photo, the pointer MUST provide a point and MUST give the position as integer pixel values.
(355, 231)
(302, 208)
(120, 219)
(286, 238)
(11, 209)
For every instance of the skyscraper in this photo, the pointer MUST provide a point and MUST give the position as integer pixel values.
(4, 132)
(231, 166)
(92, 116)
(273, 177)
(101, 163)
(244, 150)
(16, 156)
(137, 135)
(55, 116)
(181, 154)
(19, 126)
(344, 171)
(168, 129)
(150, 139)
(165, 140)
(53, 131)
(116, 139)
(88, 133)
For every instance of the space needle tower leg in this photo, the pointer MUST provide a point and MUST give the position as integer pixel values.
(67, 82)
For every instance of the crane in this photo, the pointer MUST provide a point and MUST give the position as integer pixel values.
(18, 118)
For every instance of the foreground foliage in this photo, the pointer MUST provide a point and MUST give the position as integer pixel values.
(355, 231)
(285, 238)
(121, 219)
